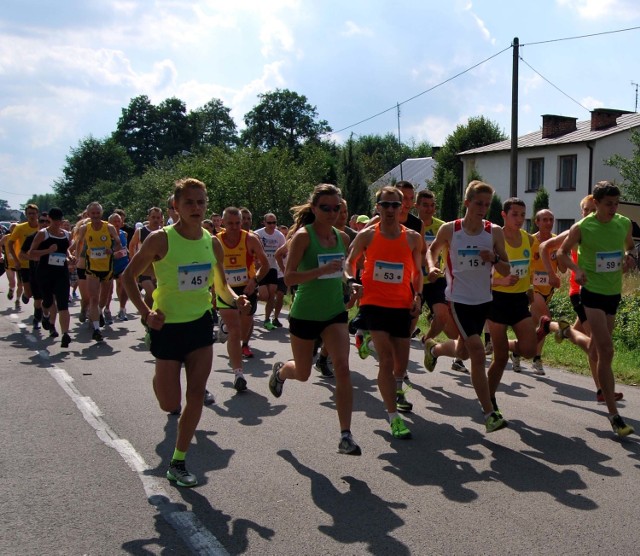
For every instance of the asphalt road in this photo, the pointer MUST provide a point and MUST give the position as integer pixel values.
(85, 447)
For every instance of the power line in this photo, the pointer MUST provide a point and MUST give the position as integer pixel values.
(15, 194)
(553, 85)
(395, 107)
(582, 36)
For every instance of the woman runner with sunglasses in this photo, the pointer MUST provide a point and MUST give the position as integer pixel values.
(315, 263)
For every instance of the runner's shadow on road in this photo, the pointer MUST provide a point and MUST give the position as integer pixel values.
(247, 408)
(522, 473)
(561, 450)
(359, 515)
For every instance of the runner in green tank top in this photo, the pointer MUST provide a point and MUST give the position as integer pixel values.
(606, 250)
(316, 263)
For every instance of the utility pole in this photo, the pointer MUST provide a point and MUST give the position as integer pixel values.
(636, 86)
(513, 169)
(399, 141)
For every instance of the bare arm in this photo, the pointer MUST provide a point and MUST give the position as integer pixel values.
(442, 240)
(564, 253)
(220, 285)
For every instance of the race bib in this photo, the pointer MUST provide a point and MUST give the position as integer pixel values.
(98, 252)
(57, 259)
(193, 276)
(237, 277)
(326, 258)
(520, 268)
(469, 259)
(608, 261)
(389, 273)
(540, 278)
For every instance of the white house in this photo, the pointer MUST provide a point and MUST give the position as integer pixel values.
(566, 157)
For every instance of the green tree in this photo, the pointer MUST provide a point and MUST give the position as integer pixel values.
(282, 118)
(540, 202)
(478, 132)
(495, 211)
(44, 201)
(629, 169)
(91, 161)
(354, 186)
(450, 203)
(212, 125)
(173, 130)
(137, 131)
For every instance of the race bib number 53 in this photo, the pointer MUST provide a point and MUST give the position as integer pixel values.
(389, 273)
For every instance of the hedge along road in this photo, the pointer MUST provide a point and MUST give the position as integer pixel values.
(89, 448)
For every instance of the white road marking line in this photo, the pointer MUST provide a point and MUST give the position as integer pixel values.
(196, 536)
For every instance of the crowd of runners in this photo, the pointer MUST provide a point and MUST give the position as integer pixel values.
(196, 280)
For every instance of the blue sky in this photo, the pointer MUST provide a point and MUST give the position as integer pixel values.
(67, 68)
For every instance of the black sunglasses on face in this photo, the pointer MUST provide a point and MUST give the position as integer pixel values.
(330, 208)
(390, 204)
(271, 222)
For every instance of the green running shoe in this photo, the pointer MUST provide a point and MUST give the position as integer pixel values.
(399, 429)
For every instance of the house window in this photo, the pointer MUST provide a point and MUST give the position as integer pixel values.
(563, 224)
(535, 173)
(567, 166)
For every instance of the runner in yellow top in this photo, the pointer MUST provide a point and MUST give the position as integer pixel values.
(14, 243)
(101, 240)
(540, 277)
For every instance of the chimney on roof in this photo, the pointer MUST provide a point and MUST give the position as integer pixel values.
(602, 118)
(554, 126)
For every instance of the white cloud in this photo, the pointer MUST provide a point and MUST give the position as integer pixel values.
(591, 103)
(531, 83)
(483, 29)
(275, 36)
(603, 9)
(353, 29)
(434, 129)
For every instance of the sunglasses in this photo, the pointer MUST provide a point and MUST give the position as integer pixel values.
(390, 204)
(43, 221)
(271, 222)
(330, 208)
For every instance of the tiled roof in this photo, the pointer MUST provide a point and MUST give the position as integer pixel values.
(415, 170)
(582, 134)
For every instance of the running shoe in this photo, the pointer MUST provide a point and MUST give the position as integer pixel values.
(543, 327)
(240, 383)
(178, 474)
(348, 446)
(322, 365)
(25, 299)
(97, 336)
(46, 323)
(122, 315)
(495, 422)
(515, 363)
(559, 334)
(458, 365)
(53, 333)
(620, 427)
(246, 352)
(208, 400)
(36, 324)
(399, 429)
(269, 325)
(108, 317)
(66, 340)
(276, 323)
(600, 396)
(402, 404)
(10, 294)
(538, 369)
(359, 340)
(364, 350)
(430, 360)
(275, 384)
(488, 348)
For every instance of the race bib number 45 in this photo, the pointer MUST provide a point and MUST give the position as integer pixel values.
(193, 276)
